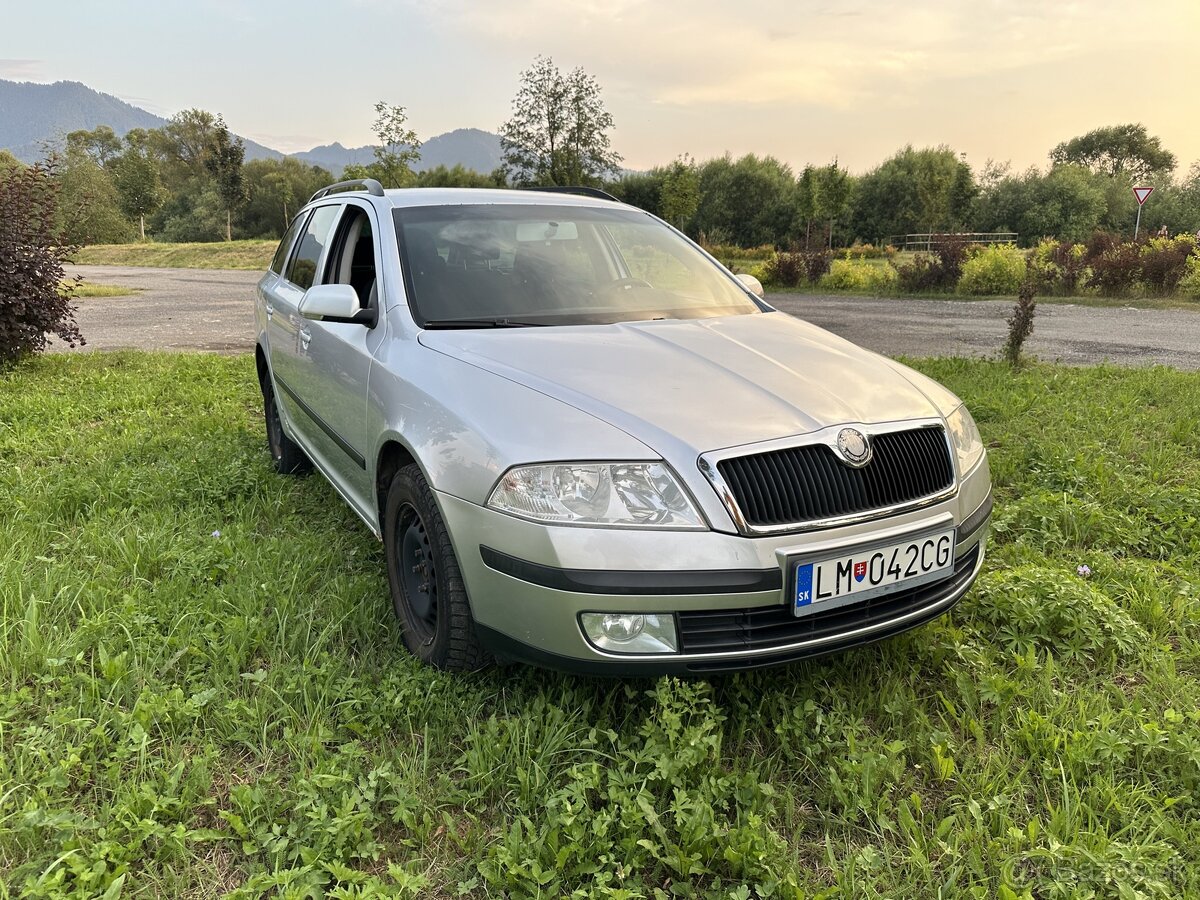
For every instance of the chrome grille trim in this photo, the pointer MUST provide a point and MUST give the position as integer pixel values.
(709, 467)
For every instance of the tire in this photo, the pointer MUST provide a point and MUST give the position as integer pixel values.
(286, 454)
(428, 595)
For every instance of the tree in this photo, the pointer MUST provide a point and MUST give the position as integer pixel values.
(558, 131)
(89, 208)
(748, 202)
(1068, 203)
(275, 189)
(1128, 152)
(680, 192)
(135, 175)
(398, 147)
(35, 295)
(224, 163)
(927, 190)
(831, 187)
(101, 144)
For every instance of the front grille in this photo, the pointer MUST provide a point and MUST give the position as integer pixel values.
(764, 627)
(810, 483)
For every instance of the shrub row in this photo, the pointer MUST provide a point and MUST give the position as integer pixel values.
(1105, 265)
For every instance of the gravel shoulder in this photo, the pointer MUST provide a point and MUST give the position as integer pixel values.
(213, 310)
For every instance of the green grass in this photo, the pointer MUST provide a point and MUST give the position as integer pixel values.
(252, 254)
(202, 690)
(87, 289)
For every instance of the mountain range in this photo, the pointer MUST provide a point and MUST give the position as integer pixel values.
(33, 114)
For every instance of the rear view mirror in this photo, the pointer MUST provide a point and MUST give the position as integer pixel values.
(752, 284)
(334, 303)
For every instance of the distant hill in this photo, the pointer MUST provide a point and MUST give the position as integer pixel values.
(31, 114)
(469, 147)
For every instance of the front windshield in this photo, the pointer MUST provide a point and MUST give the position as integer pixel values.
(540, 264)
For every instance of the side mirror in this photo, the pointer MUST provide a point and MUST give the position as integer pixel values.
(753, 285)
(334, 303)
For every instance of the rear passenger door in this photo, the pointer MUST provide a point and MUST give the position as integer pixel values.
(337, 357)
(285, 327)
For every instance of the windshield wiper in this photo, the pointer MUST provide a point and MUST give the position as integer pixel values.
(497, 322)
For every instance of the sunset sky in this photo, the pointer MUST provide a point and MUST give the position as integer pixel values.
(804, 81)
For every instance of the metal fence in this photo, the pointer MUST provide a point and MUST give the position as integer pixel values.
(926, 240)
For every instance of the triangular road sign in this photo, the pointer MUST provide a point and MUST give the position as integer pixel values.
(1142, 194)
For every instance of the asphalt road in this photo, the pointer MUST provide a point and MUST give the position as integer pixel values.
(212, 309)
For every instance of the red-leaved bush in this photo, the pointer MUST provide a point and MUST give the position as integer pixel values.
(35, 297)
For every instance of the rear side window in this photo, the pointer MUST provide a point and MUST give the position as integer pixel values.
(302, 270)
(286, 244)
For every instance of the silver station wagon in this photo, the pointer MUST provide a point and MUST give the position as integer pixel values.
(587, 445)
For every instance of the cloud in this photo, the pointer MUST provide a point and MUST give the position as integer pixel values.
(780, 52)
(21, 69)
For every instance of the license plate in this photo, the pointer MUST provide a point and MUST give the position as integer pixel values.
(867, 572)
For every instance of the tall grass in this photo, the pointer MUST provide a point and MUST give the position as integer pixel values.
(202, 692)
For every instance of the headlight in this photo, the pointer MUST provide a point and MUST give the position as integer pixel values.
(964, 435)
(646, 495)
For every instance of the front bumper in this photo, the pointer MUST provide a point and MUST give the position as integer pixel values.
(528, 584)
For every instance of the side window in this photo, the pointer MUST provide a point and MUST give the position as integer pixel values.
(352, 259)
(286, 244)
(302, 270)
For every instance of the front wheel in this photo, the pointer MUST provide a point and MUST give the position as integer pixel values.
(286, 454)
(427, 589)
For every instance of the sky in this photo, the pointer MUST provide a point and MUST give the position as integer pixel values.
(802, 80)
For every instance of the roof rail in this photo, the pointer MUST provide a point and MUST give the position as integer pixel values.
(580, 190)
(370, 185)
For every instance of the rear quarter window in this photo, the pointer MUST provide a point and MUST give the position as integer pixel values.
(285, 245)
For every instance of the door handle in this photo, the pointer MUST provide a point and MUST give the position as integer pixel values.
(270, 310)
(305, 337)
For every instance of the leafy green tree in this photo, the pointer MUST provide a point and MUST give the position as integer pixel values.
(558, 131)
(224, 164)
(101, 144)
(135, 175)
(275, 189)
(9, 163)
(680, 192)
(831, 191)
(1068, 203)
(458, 176)
(640, 189)
(1128, 152)
(804, 204)
(89, 208)
(927, 190)
(748, 202)
(399, 147)
(186, 141)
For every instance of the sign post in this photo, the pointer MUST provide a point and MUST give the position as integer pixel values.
(1140, 193)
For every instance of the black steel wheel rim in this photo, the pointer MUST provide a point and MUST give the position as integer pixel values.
(418, 575)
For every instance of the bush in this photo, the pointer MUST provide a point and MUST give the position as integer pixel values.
(790, 269)
(1059, 266)
(951, 252)
(854, 275)
(998, 269)
(1164, 263)
(35, 295)
(785, 269)
(868, 251)
(1189, 285)
(1117, 269)
(924, 273)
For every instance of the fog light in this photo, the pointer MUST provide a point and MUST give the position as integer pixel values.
(622, 627)
(630, 632)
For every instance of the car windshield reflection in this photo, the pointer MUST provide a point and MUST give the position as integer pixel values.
(555, 265)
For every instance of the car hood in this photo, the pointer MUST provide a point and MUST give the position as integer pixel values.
(705, 384)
